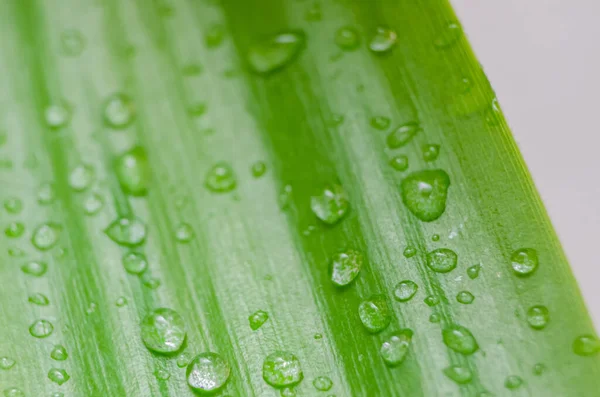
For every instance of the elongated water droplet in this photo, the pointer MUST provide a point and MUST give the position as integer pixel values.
(59, 353)
(380, 122)
(465, 297)
(13, 205)
(207, 372)
(430, 152)
(220, 178)
(257, 319)
(129, 232)
(35, 268)
(513, 382)
(214, 36)
(347, 38)
(450, 35)
(119, 111)
(473, 271)
(402, 135)
(46, 236)
(586, 345)
(395, 348)
(82, 177)
(425, 192)
(58, 115)
(383, 40)
(276, 52)
(41, 329)
(538, 317)
(39, 299)
(331, 205)
(6, 363)
(163, 331)
(322, 383)
(374, 313)
(72, 42)
(405, 290)
(459, 339)
(14, 230)
(442, 260)
(92, 204)
(258, 169)
(399, 163)
(135, 262)
(345, 267)
(133, 171)
(524, 261)
(459, 374)
(282, 369)
(58, 376)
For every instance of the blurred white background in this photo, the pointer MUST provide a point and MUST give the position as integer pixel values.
(543, 59)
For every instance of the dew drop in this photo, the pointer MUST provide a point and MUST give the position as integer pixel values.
(399, 163)
(282, 369)
(459, 374)
(285, 197)
(58, 376)
(72, 43)
(430, 152)
(380, 122)
(402, 135)
(119, 111)
(424, 193)
(6, 363)
(276, 52)
(13, 392)
(214, 36)
(347, 38)
(39, 299)
(150, 282)
(129, 232)
(163, 331)
(13, 205)
(538, 317)
(459, 339)
(450, 35)
(121, 301)
(35, 268)
(383, 40)
(465, 297)
(586, 345)
(442, 260)
(434, 318)
(318, 336)
(133, 171)
(395, 348)
(58, 115)
(345, 267)
(257, 319)
(409, 252)
(220, 178)
(539, 369)
(322, 383)
(135, 262)
(524, 261)
(513, 382)
(59, 353)
(258, 169)
(46, 194)
(405, 290)
(41, 329)
(374, 313)
(331, 205)
(93, 204)
(431, 300)
(46, 236)
(14, 230)
(82, 177)
(184, 233)
(473, 271)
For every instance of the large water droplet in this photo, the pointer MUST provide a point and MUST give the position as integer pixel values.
(135, 262)
(46, 236)
(395, 348)
(282, 369)
(58, 376)
(220, 178)
(6, 363)
(402, 135)
(513, 382)
(538, 317)
(442, 260)
(257, 319)
(459, 339)
(35, 268)
(345, 267)
(465, 297)
(39, 299)
(276, 52)
(129, 232)
(405, 290)
(425, 192)
(347, 38)
(119, 111)
(207, 372)
(322, 383)
(383, 40)
(82, 177)
(459, 374)
(163, 331)
(331, 205)
(586, 345)
(133, 171)
(524, 261)
(375, 314)
(41, 329)
(59, 353)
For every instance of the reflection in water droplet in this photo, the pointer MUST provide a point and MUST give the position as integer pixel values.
(538, 317)
(41, 329)
(129, 232)
(383, 40)
(257, 319)
(374, 313)
(282, 369)
(402, 135)
(331, 205)
(119, 111)
(442, 260)
(405, 290)
(276, 52)
(163, 331)
(425, 192)
(345, 267)
(347, 38)
(395, 348)
(133, 171)
(459, 339)
(524, 261)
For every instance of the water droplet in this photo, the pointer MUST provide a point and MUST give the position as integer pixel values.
(82, 177)
(435, 237)
(35, 268)
(459, 374)
(405, 290)
(121, 301)
(430, 152)
(214, 36)
(46, 236)
(538, 317)
(220, 178)
(133, 171)
(258, 169)
(46, 194)
(13, 392)
(465, 297)
(150, 282)
(539, 369)
(161, 374)
(318, 336)
(129, 232)
(6, 363)
(257, 319)
(586, 345)
(282, 369)
(14, 230)
(347, 38)
(425, 192)
(285, 197)
(442, 260)
(336, 119)
(513, 382)
(16, 252)
(402, 135)
(276, 52)
(58, 115)
(41, 329)
(473, 271)
(345, 267)
(13, 205)
(119, 111)
(493, 115)
(380, 122)
(450, 35)
(459, 339)
(57, 394)
(72, 42)
(207, 372)
(431, 300)
(375, 314)
(93, 204)
(331, 205)
(58, 376)
(322, 383)
(395, 348)
(39, 299)
(163, 331)
(524, 261)
(434, 318)
(288, 392)
(59, 353)
(135, 262)
(184, 233)
(399, 163)
(183, 360)
(383, 41)
(409, 252)
(314, 14)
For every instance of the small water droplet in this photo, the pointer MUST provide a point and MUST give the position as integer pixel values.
(409, 252)
(434, 318)
(374, 313)
(46, 193)
(183, 360)
(82, 177)
(336, 120)
(322, 383)
(524, 261)
(129, 232)
(442, 260)
(133, 171)
(383, 40)
(288, 392)
(41, 329)
(459, 339)
(220, 178)
(58, 376)
(347, 38)
(6, 363)
(313, 14)
(150, 282)
(538, 317)
(46, 236)
(276, 52)
(513, 382)
(119, 111)
(161, 374)
(345, 267)
(430, 152)
(35, 268)
(405, 290)
(39, 299)
(395, 348)
(282, 369)
(258, 169)
(331, 205)
(431, 300)
(450, 35)
(539, 369)
(135, 262)
(93, 204)
(399, 163)
(59, 353)
(214, 36)
(402, 135)
(257, 319)
(121, 301)
(473, 271)
(72, 42)
(207, 372)
(163, 331)
(57, 394)
(16, 252)
(13, 205)
(58, 115)
(586, 345)
(380, 122)
(184, 233)
(425, 192)
(493, 115)
(459, 374)
(14, 230)
(13, 392)
(465, 297)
